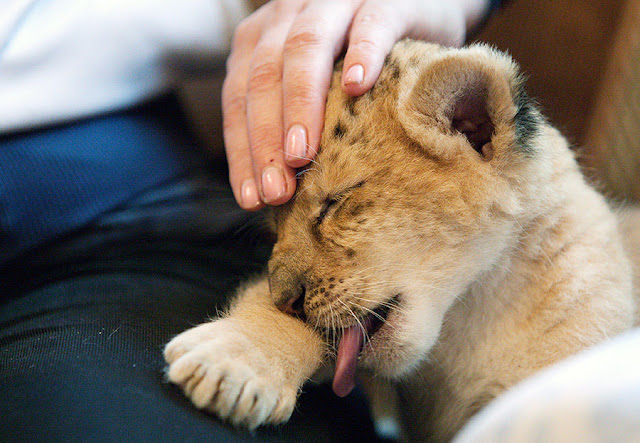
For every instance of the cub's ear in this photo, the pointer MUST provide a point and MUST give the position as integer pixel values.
(474, 95)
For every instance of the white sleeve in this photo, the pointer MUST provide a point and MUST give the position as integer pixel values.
(65, 59)
(591, 397)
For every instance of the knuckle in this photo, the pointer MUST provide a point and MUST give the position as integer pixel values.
(305, 95)
(364, 46)
(233, 103)
(374, 19)
(243, 33)
(363, 49)
(264, 75)
(303, 39)
(264, 137)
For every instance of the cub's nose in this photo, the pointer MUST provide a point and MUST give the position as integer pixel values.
(293, 304)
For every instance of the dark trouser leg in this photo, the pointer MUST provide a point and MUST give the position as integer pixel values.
(83, 321)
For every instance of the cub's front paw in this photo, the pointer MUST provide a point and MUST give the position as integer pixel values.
(226, 372)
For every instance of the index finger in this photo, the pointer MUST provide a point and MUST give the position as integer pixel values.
(314, 41)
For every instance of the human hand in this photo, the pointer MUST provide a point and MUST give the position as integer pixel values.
(280, 67)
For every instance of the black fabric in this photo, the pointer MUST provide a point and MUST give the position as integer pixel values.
(60, 178)
(84, 318)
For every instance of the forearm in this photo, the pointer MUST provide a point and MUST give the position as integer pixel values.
(299, 347)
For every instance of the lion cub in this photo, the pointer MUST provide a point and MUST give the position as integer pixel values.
(444, 238)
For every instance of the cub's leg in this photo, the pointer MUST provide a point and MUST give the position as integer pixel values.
(248, 366)
(384, 406)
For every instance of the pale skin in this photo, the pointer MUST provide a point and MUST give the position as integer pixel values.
(279, 70)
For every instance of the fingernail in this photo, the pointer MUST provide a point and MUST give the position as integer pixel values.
(355, 75)
(296, 145)
(249, 194)
(273, 185)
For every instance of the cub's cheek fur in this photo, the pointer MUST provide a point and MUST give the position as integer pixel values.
(444, 236)
(419, 188)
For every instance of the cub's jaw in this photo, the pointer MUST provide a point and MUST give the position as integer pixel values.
(365, 341)
(379, 353)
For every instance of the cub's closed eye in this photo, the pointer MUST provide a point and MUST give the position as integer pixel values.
(332, 202)
(328, 205)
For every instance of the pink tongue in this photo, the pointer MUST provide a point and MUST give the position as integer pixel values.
(350, 345)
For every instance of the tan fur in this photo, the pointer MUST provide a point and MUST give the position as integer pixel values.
(498, 260)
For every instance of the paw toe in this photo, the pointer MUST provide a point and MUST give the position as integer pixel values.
(183, 369)
(255, 405)
(173, 351)
(284, 407)
(205, 391)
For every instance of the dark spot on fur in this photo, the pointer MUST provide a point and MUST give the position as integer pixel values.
(332, 279)
(395, 72)
(393, 67)
(383, 81)
(331, 286)
(350, 253)
(339, 130)
(379, 87)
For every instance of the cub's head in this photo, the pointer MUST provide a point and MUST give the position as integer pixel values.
(419, 188)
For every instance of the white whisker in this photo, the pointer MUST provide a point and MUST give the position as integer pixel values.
(309, 159)
(360, 325)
